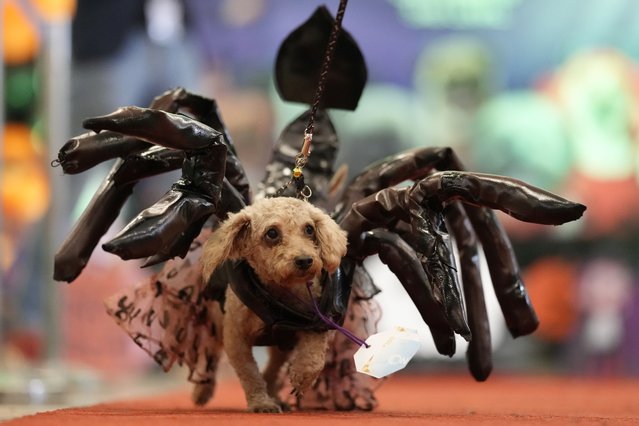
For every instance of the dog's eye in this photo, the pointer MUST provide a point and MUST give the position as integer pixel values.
(272, 234)
(309, 230)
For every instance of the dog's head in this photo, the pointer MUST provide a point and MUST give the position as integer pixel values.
(285, 240)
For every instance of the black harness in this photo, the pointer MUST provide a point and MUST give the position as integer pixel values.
(281, 317)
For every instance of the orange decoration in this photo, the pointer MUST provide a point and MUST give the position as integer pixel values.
(25, 186)
(551, 284)
(20, 36)
(55, 10)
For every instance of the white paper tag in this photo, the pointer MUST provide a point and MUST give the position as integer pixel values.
(388, 352)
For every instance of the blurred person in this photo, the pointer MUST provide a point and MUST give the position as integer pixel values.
(25, 187)
(552, 286)
(606, 293)
(25, 199)
(454, 76)
(597, 93)
(125, 52)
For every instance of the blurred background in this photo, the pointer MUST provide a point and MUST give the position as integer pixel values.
(540, 90)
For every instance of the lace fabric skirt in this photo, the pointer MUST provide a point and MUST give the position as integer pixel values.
(168, 317)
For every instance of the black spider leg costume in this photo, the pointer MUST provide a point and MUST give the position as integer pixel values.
(209, 150)
(434, 199)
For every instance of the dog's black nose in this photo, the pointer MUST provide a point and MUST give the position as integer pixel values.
(303, 262)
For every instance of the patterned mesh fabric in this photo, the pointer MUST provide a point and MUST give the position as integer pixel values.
(168, 317)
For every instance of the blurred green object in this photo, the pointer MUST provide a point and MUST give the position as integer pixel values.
(456, 13)
(521, 134)
(597, 89)
(20, 92)
(456, 71)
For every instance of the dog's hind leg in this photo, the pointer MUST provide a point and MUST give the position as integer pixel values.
(271, 374)
(202, 393)
(209, 351)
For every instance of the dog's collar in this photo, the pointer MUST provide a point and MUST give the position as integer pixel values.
(278, 315)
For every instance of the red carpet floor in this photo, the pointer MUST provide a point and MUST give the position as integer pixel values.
(403, 401)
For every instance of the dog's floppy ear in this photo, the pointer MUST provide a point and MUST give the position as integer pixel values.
(225, 243)
(331, 239)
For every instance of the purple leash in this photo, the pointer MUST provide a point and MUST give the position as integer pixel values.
(328, 321)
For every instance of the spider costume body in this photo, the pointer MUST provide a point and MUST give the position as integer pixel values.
(409, 227)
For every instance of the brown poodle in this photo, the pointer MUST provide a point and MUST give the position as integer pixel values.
(288, 242)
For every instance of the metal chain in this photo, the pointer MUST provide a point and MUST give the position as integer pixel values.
(297, 175)
(328, 58)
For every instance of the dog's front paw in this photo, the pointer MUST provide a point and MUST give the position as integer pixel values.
(264, 405)
(302, 381)
(307, 361)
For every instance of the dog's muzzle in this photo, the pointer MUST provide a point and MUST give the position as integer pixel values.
(303, 262)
